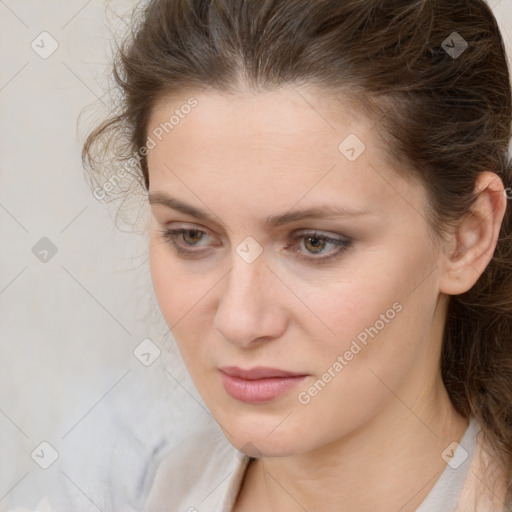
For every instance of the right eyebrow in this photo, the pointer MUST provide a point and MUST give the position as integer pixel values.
(176, 204)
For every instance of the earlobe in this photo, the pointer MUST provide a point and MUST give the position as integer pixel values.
(474, 240)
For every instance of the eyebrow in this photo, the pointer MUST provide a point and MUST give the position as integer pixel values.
(317, 212)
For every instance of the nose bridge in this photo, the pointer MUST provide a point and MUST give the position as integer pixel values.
(246, 310)
(243, 288)
(245, 278)
(248, 271)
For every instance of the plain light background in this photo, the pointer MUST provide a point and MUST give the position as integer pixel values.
(70, 321)
(70, 324)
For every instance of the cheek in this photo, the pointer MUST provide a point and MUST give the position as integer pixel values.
(370, 354)
(176, 290)
(182, 296)
(165, 283)
(178, 285)
(380, 316)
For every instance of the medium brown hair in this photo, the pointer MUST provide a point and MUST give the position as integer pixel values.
(444, 118)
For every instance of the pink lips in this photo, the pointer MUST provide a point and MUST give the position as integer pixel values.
(259, 384)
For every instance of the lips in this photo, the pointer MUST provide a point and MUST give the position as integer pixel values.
(259, 372)
(260, 384)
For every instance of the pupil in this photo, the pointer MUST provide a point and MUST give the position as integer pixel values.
(317, 243)
(193, 231)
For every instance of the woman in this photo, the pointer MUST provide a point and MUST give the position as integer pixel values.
(330, 247)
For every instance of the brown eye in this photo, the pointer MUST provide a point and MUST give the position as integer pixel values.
(318, 248)
(314, 244)
(196, 236)
(187, 242)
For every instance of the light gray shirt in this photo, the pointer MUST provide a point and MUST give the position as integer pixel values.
(204, 474)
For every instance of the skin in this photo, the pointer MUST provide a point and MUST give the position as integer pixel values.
(372, 438)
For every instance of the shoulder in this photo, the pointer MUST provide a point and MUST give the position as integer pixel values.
(485, 486)
(205, 469)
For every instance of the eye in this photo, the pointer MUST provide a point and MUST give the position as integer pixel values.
(181, 238)
(187, 242)
(317, 244)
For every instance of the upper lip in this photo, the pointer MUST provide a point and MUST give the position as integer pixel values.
(259, 372)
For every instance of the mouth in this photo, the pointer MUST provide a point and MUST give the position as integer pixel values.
(260, 384)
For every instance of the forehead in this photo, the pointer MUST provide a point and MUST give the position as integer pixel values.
(268, 119)
(269, 148)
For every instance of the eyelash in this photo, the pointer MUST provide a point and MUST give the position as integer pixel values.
(171, 236)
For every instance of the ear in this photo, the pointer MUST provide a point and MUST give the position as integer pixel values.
(470, 248)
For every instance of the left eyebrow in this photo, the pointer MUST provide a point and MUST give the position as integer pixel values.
(318, 212)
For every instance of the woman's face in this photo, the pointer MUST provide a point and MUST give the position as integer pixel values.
(308, 256)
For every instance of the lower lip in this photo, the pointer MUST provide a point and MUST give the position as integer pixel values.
(258, 390)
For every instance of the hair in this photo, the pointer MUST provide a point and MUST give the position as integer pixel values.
(444, 118)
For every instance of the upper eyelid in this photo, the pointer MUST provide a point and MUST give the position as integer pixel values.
(297, 233)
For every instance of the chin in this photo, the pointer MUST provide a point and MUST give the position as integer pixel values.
(262, 439)
(264, 448)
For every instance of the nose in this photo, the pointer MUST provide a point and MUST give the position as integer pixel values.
(249, 308)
